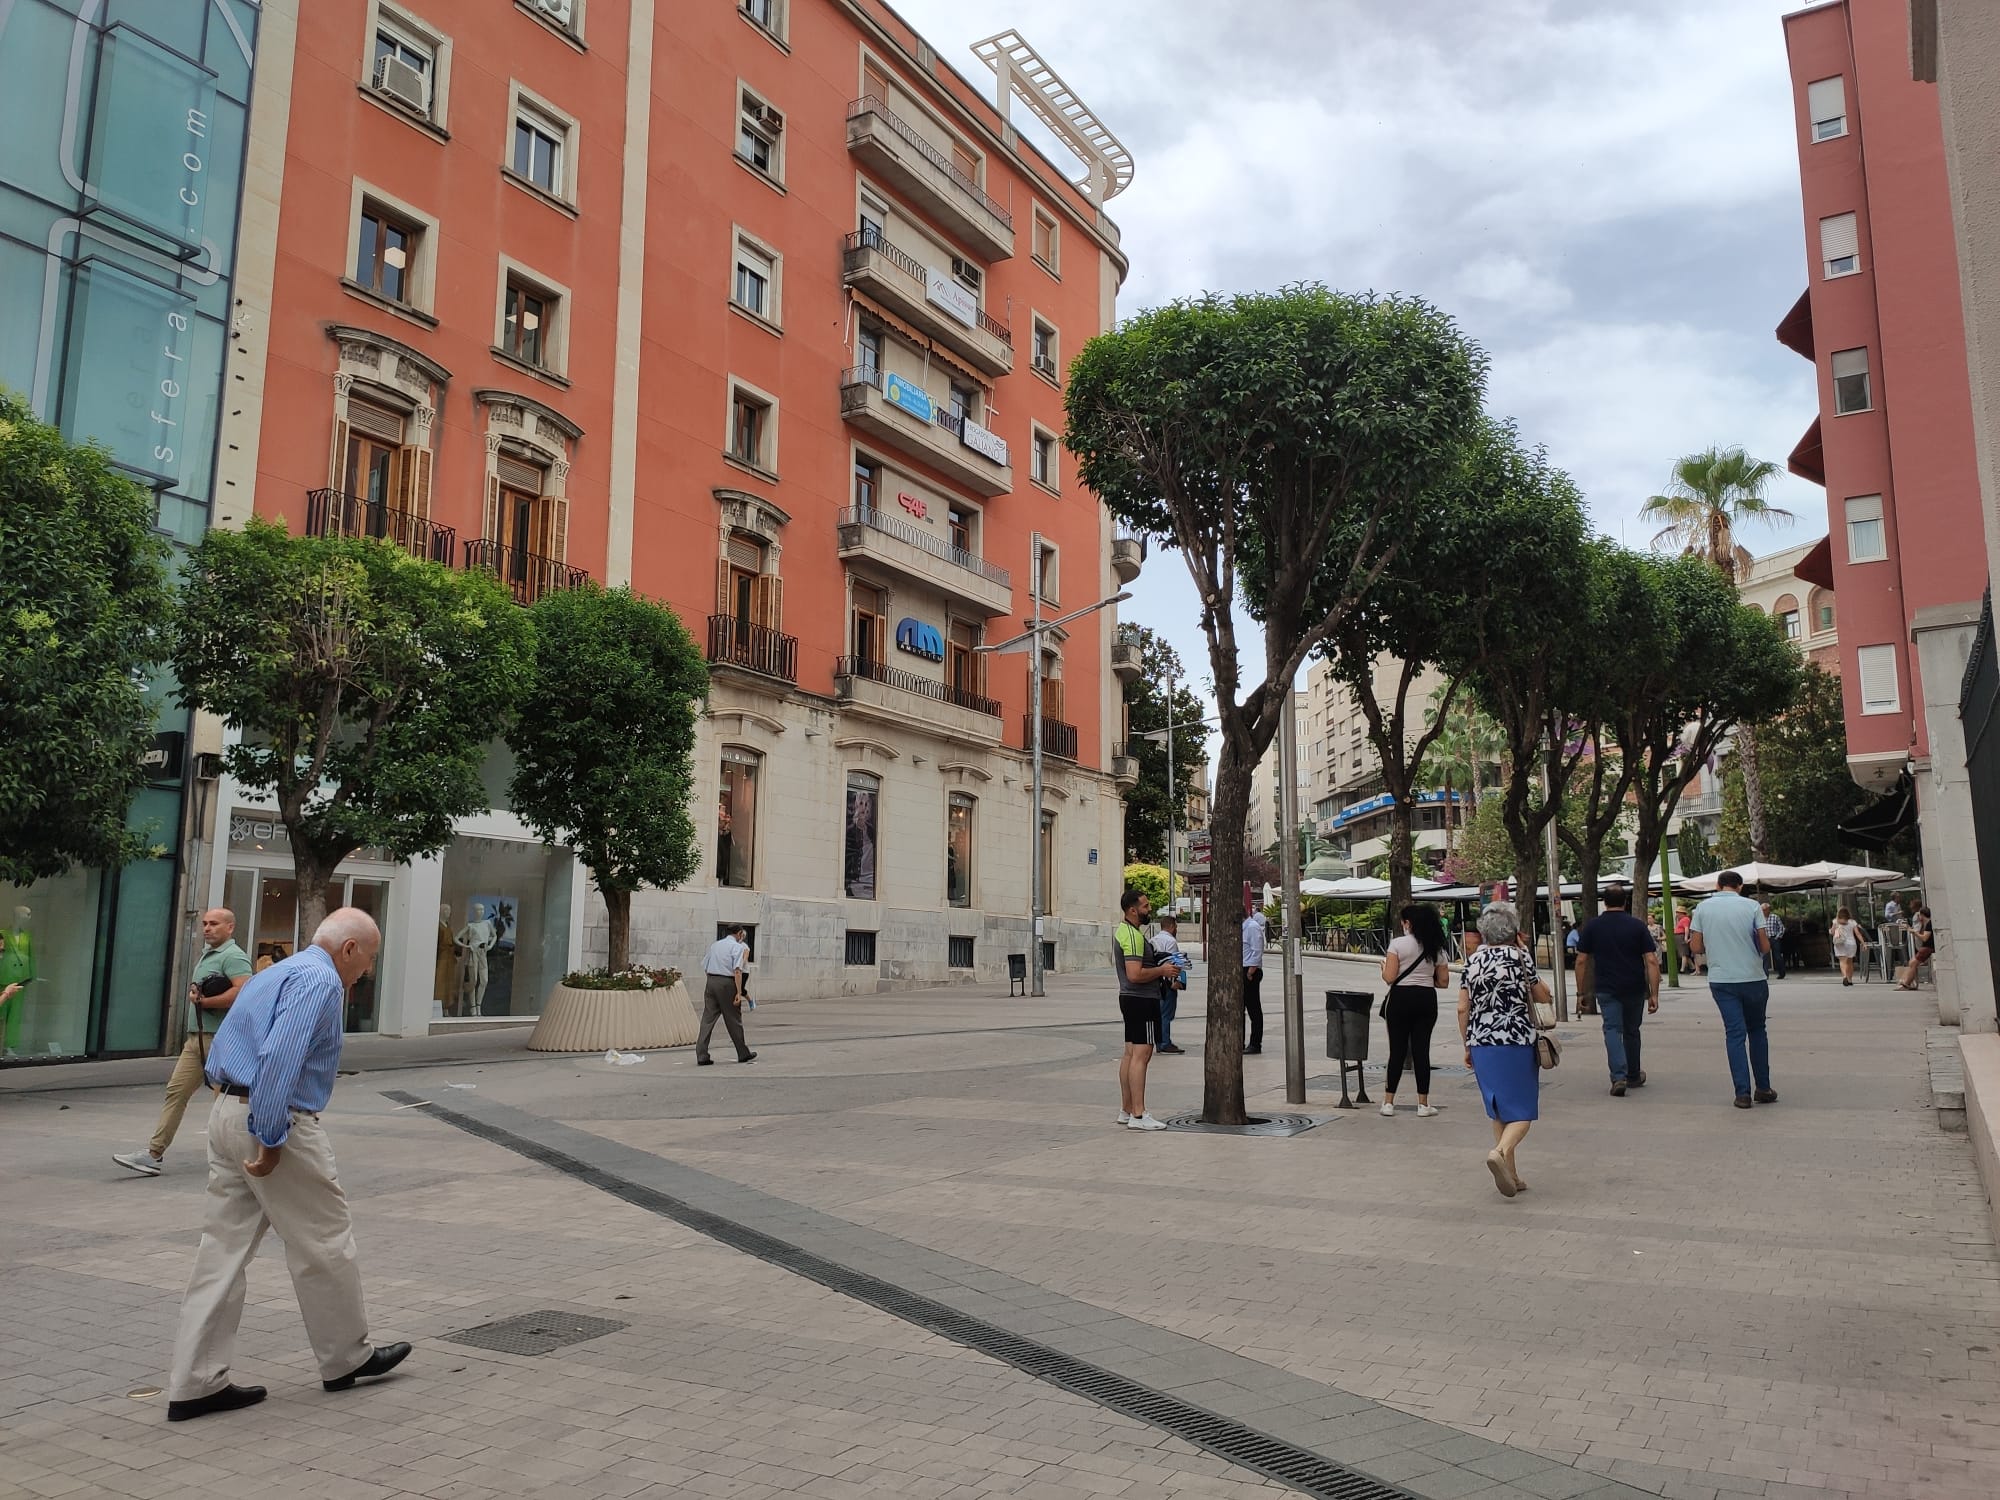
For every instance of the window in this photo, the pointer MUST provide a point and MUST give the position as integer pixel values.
(1045, 349)
(1824, 617)
(385, 257)
(958, 521)
(1788, 620)
(867, 484)
(1045, 896)
(753, 429)
(1044, 465)
(874, 219)
(1850, 383)
(864, 800)
(959, 950)
(1044, 241)
(963, 402)
(870, 624)
(736, 818)
(1046, 574)
(963, 162)
(1839, 245)
(374, 457)
(1877, 666)
(1866, 540)
(403, 66)
(964, 668)
(526, 322)
(756, 283)
(868, 351)
(768, 16)
(759, 136)
(539, 150)
(1826, 102)
(860, 950)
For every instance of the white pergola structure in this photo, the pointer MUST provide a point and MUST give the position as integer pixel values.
(1020, 73)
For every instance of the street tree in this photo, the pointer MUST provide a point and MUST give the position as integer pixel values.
(1261, 435)
(604, 744)
(365, 686)
(1709, 496)
(1153, 806)
(83, 602)
(1697, 856)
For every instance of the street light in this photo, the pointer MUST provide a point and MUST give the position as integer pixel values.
(1030, 641)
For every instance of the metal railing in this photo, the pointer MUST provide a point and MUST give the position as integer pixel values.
(869, 104)
(756, 648)
(856, 376)
(331, 513)
(1058, 739)
(876, 520)
(909, 682)
(856, 247)
(527, 575)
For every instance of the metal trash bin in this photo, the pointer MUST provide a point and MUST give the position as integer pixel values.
(1017, 973)
(1347, 1039)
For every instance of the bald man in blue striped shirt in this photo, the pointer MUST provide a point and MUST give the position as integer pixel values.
(272, 1065)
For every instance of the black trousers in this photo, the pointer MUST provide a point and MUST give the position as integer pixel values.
(1253, 1008)
(1412, 1014)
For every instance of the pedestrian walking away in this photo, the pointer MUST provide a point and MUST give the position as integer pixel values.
(1690, 956)
(1925, 940)
(1416, 967)
(219, 976)
(1497, 990)
(723, 977)
(1850, 944)
(1139, 1004)
(1166, 944)
(270, 1166)
(1774, 937)
(1729, 930)
(1618, 961)
(1253, 981)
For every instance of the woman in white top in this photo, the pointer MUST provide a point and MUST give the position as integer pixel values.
(1415, 968)
(1848, 943)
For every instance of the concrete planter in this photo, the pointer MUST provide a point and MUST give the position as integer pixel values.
(631, 1020)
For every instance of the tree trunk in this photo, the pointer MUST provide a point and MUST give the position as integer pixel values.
(1222, 1056)
(1589, 860)
(313, 874)
(1753, 791)
(618, 927)
(1402, 857)
(1450, 821)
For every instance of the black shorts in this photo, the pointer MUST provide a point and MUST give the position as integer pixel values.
(1142, 1019)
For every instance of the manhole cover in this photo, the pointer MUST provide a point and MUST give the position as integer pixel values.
(535, 1332)
(1259, 1125)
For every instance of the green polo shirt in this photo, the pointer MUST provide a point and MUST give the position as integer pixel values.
(226, 959)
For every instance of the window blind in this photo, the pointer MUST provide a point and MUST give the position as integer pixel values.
(1878, 679)
(1839, 240)
(1826, 100)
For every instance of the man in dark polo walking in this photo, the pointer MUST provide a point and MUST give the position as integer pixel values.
(722, 993)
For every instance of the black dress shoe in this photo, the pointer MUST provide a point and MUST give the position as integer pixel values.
(1742, 1101)
(704, 1062)
(1253, 1051)
(748, 1057)
(1765, 1096)
(229, 1398)
(385, 1358)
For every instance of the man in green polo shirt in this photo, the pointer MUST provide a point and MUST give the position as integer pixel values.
(218, 975)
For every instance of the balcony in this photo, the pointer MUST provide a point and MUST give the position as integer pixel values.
(892, 148)
(1058, 738)
(1128, 556)
(1125, 659)
(916, 425)
(1124, 766)
(527, 575)
(903, 698)
(330, 513)
(754, 648)
(930, 298)
(915, 552)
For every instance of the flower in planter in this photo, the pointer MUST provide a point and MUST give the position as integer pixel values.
(635, 978)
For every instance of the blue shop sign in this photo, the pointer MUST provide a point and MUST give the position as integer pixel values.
(913, 399)
(919, 639)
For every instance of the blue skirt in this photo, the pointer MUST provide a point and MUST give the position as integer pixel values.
(1509, 1082)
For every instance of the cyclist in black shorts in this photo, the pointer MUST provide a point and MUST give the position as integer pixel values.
(1139, 1003)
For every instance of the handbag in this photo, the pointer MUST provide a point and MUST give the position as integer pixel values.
(1548, 1050)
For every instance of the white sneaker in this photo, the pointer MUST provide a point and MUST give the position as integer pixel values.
(143, 1162)
(1145, 1122)
(1123, 1118)
(1425, 1111)
(1388, 1111)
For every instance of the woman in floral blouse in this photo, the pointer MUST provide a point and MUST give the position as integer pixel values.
(1499, 985)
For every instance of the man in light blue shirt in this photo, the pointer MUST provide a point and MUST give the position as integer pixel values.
(1728, 928)
(272, 1065)
(1253, 980)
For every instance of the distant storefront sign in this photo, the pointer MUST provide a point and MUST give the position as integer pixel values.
(919, 639)
(982, 442)
(916, 505)
(949, 294)
(913, 399)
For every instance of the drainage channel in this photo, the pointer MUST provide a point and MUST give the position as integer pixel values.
(1304, 1470)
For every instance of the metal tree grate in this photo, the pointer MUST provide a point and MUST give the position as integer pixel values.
(536, 1332)
(1271, 1125)
(1301, 1468)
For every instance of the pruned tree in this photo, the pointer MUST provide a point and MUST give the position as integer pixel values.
(83, 602)
(604, 744)
(365, 685)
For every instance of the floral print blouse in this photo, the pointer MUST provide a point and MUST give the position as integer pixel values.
(1500, 978)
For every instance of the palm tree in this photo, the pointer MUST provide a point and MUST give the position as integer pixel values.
(1710, 494)
(1467, 745)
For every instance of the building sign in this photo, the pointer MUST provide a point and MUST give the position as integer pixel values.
(1382, 803)
(980, 441)
(944, 291)
(165, 758)
(919, 639)
(916, 505)
(912, 398)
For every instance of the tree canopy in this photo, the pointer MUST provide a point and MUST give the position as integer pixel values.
(1149, 804)
(604, 743)
(83, 601)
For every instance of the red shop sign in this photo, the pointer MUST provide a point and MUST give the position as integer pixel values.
(914, 504)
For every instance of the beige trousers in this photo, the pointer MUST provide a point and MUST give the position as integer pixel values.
(302, 1200)
(181, 1087)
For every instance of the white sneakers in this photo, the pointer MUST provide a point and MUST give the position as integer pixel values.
(1144, 1122)
(1123, 1118)
(1388, 1111)
(143, 1162)
(1425, 1111)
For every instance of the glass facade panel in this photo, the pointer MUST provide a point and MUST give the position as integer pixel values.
(150, 124)
(123, 378)
(958, 851)
(736, 820)
(864, 802)
(49, 932)
(508, 905)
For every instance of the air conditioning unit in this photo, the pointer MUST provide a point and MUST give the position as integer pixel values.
(562, 12)
(1046, 365)
(399, 80)
(966, 273)
(769, 117)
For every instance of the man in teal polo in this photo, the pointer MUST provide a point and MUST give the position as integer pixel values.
(219, 975)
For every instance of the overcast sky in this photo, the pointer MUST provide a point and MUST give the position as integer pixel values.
(1603, 192)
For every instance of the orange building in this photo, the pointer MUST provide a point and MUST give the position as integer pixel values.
(761, 307)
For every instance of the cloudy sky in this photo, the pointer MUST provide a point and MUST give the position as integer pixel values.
(1603, 192)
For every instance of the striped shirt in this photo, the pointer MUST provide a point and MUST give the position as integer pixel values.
(281, 1040)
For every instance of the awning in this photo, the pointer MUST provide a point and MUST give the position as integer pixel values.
(1758, 876)
(1876, 826)
(1808, 459)
(1816, 566)
(1795, 329)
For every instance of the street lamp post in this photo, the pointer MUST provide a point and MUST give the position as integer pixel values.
(1294, 953)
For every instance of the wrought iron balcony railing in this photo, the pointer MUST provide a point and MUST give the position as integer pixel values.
(331, 513)
(907, 133)
(858, 246)
(878, 520)
(526, 575)
(755, 648)
(1058, 739)
(909, 682)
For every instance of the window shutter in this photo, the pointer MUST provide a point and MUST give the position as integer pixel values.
(337, 470)
(558, 523)
(1827, 99)
(376, 422)
(419, 464)
(1878, 679)
(1052, 698)
(724, 604)
(491, 527)
(1850, 362)
(746, 554)
(767, 601)
(1864, 508)
(522, 476)
(1838, 239)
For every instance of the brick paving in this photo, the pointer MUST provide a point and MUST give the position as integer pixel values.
(1691, 1300)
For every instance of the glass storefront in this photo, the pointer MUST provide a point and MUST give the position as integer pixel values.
(48, 945)
(503, 928)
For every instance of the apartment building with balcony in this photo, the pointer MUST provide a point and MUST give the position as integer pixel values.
(1349, 808)
(760, 307)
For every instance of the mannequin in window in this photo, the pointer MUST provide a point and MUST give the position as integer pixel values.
(475, 940)
(441, 989)
(17, 970)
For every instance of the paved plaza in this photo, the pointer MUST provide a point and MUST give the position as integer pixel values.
(875, 1261)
